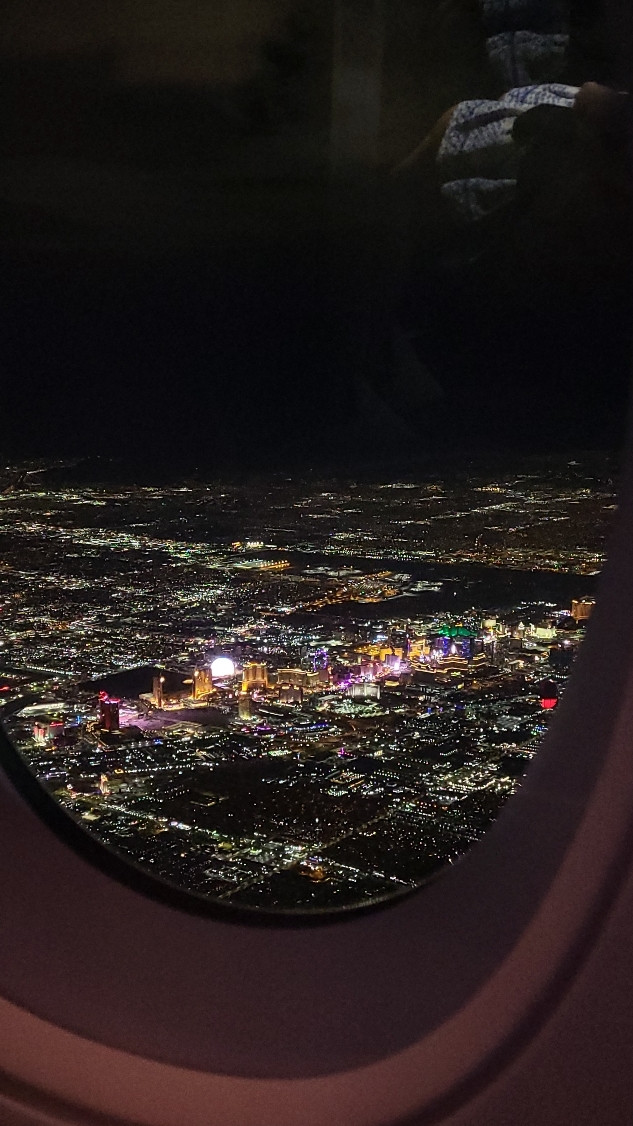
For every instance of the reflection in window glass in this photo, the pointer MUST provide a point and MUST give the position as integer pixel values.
(318, 348)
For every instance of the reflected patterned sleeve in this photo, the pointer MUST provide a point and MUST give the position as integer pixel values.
(478, 157)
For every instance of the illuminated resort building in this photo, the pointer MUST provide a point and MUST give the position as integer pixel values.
(460, 641)
(244, 706)
(457, 649)
(109, 719)
(202, 683)
(290, 694)
(581, 609)
(301, 678)
(164, 697)
(46, 729)
(254, 676)
(364, 690)
(381, 653)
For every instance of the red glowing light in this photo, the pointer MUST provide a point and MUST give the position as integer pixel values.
(548, 703)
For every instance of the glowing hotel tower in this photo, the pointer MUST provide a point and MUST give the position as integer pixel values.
(109, 712)
(202, 683)
(254, 675)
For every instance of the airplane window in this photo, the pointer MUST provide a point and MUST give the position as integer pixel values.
(317, 352)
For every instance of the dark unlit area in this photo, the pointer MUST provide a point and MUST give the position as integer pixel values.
(190, 278)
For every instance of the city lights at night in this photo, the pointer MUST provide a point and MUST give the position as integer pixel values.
(310, 703)
(316, 516)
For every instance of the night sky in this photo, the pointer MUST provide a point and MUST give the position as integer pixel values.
(185, 284)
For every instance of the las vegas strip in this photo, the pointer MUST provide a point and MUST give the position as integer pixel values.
(293, 694)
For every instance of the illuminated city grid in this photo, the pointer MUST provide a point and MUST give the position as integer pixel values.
(293, 694)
